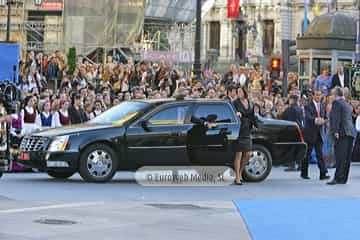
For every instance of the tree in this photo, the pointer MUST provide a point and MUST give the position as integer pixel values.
(72, 59)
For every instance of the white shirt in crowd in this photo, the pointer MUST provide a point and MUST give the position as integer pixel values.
(56, 118)
(28, 128)
(13, 130)
(342, 81)
(97, 113)
(39, 124)
(357, 123)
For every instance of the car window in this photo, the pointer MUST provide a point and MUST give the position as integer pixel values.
(121, 113)
(170, 116)
(222, 111)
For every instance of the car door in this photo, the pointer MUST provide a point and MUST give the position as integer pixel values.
(163, 140)
(212, 146)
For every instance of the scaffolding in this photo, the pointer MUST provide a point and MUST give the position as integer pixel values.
(39, 33)
(106, 24)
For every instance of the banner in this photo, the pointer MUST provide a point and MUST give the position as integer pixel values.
(233, 8)
(171, 56)
(52, 4)
(9, 62)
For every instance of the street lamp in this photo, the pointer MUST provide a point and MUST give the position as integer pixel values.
(197, 61)
(357, 54)
(8, 25)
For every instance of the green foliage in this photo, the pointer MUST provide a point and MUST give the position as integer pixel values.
(72, 59)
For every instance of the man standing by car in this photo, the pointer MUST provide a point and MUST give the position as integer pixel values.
(313, 133)
(342, 128)
(293, 113)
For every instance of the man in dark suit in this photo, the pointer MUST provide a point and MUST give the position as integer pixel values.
(342, 128)
(341, 78)
(293, 113)
(315, 116)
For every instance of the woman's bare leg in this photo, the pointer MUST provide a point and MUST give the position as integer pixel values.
(237, 166)
(244, 161)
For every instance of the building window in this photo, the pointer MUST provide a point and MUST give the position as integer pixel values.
(215, 35)
(268, 37)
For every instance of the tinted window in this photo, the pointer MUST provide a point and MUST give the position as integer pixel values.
(120, 113)
(170, 116)
(222, 111)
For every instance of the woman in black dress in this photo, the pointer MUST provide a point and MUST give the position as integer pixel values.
(243, 146)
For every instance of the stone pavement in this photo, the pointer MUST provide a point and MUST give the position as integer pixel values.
(125, 220)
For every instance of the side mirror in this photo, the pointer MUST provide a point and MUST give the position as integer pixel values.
(144, 125)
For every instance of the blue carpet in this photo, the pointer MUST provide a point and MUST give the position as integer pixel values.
(301, 219)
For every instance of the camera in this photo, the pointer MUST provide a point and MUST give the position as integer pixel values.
(9, 95)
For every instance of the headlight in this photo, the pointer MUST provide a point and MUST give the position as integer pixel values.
(58, 144)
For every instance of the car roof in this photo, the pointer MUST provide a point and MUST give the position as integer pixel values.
(185, 100)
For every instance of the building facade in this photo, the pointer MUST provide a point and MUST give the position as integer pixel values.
(36, 24)
(256, 34)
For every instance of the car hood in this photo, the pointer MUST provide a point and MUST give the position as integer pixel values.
(70, 130)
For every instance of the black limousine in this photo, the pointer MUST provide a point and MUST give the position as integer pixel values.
(158, 133)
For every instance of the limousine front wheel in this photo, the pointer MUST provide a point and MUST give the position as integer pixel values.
(259, 166)
(98, 163)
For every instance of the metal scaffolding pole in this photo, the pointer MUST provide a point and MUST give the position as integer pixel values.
(8, 25)
(357, 54)
(197, 63)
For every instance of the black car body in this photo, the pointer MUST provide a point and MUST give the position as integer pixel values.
(157, 133)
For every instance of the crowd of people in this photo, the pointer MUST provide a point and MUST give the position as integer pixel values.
(53, 96)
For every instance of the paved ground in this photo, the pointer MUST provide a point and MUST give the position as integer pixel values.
(123, 209)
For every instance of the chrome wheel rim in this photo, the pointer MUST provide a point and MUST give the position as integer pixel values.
(257, 165)
(99, 163)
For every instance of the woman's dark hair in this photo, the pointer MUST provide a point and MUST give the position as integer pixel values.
(26, 101)
(75, 95)
(97, 101)
(246, 95)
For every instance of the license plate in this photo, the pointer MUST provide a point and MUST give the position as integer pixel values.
(24, 156)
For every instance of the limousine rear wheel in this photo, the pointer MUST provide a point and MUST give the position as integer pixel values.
(98, 163)
(259, 166)
(60, 175)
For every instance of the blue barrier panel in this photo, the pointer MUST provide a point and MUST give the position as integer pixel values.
(9, 61)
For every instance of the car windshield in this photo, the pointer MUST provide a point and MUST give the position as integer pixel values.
(120, 114)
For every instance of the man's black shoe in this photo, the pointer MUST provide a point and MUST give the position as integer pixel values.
(333, 182)
(324, 177)
(305, 177)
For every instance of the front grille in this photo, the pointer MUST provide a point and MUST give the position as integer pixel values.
(33, 144)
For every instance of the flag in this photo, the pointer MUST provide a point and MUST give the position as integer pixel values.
(305, 21)
(328, 6)
(317, 9)
(233, 7)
